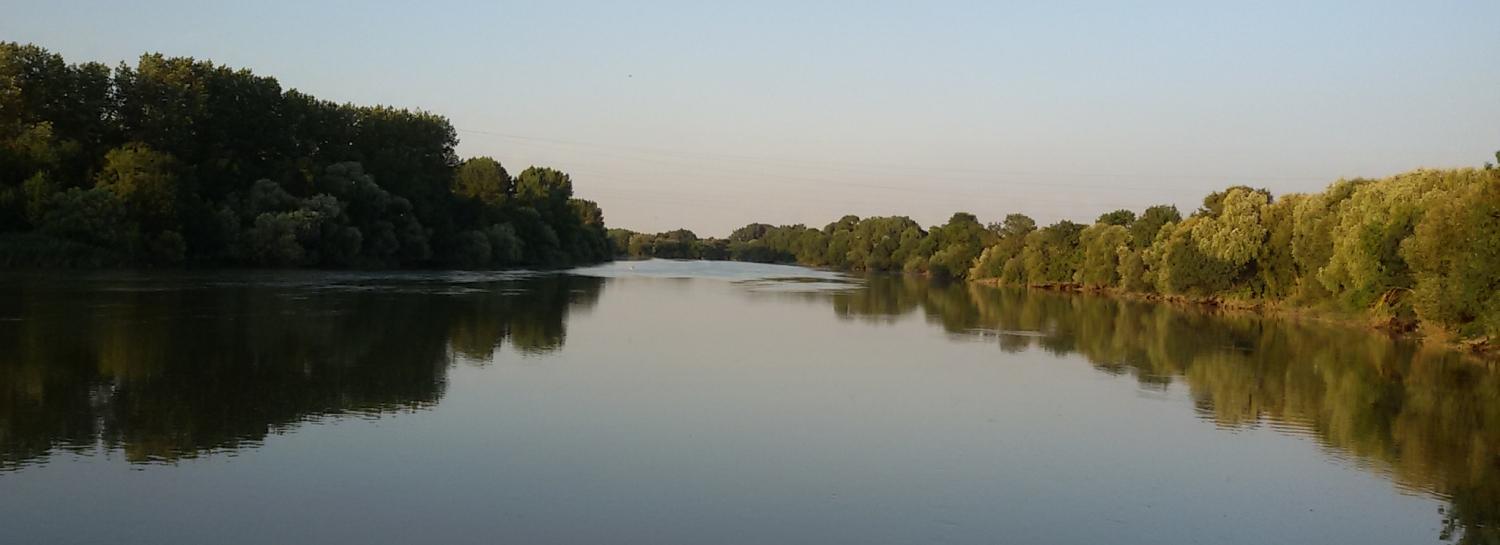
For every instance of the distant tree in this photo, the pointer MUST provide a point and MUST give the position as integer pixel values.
(1132, 270)
(1234, 233)
(619, 240)
(1145, 228)
(1051, 254)
(1014, 225)
(588, 213)
(1213, 204)
(483, 178)
(1178, 264)
(845, 223)
(146, 181)
(543, 187)
(1100, 244)
(1122, 218)
(754, 231)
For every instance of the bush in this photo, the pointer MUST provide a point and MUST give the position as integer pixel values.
(24, 250)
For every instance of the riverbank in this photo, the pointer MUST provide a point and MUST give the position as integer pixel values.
(1408, 327)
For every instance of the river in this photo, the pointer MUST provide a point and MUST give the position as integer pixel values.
(692, 402)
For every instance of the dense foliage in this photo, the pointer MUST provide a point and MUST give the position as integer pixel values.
(1419, 247)
(871, 244)
(177, 161)
(679, 244)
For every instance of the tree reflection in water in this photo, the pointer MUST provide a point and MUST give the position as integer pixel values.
(167, 368)
(162, 368)
(1428, 419)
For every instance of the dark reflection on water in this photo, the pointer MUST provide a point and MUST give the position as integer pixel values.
(163, 367)
(1427, 419)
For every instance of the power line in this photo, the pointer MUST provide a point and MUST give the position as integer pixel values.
(805, 163)
(866, 185)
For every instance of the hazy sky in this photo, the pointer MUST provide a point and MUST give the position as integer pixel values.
(710, 115)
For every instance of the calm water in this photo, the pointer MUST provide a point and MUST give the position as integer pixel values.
(670, 402)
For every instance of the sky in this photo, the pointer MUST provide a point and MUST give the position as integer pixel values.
(712, 115)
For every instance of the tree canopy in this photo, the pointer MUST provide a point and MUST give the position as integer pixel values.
(1361, 246)
(176, 161)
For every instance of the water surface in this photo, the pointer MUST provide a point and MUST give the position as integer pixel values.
(692, 402)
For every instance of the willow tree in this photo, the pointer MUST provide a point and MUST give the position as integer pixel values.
(1277, 275)
(1454, 254)
(1100, 245)
(1177, 263)
(1366, 263)
(1232, 231)
(1312, 235)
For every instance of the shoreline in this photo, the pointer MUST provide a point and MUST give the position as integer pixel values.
(1426, 334)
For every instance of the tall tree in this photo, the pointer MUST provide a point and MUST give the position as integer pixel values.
(483, 178)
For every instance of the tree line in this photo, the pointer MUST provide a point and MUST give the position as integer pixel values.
(1421, 247)
(175, 161)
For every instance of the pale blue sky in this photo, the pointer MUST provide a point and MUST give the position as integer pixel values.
(712, 115)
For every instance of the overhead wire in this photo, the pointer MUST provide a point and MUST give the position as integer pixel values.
(801, 181)
(813, 163)
(841, 200)
(653, 191)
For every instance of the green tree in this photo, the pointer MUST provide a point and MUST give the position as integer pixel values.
(506, 248)
(1454, 253)
(1144, 230)
(1122, 218)
(1051, 255)
(956, 245)
(1233, 233)
(1277, 274)
(543, 188)
(96, 217)
(1366, 262)
(1177, 264)
(1014, 225)
(54, 116)
(1312, 235)
(1132, 270)
(1101, 244)
(185, 145)
(146, 181)
(483, 179)
(1213, 204)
